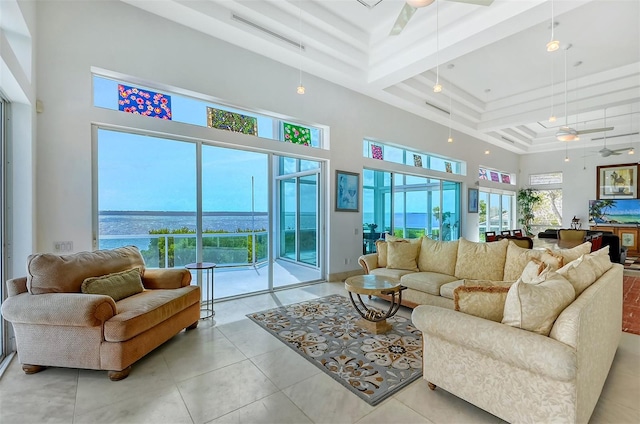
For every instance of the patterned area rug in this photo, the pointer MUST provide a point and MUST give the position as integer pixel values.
(324, 331)
(631, 304)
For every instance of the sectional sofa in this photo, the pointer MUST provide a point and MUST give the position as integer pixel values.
(528, 335)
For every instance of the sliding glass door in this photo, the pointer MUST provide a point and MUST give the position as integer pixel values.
(181, 202)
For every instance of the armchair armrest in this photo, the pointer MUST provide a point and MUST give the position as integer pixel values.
(161, 278)
(66, 309)
(519, 348)
(15, 286)
(368, 262)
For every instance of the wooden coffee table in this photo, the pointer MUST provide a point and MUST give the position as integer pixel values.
(373, 320)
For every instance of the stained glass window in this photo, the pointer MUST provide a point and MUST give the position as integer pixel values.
(417, 161)
(296, 134)
(495, 176)
(231, 121)
(376, 152)
(483, 174)
(144, 102)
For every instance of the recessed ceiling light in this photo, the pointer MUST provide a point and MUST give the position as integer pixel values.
(486, 152)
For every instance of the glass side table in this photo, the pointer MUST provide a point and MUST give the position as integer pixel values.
(207, 282)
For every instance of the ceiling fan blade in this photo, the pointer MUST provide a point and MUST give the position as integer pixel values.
(595, 130)
(477, 2)
(626, 149)
(403, 18)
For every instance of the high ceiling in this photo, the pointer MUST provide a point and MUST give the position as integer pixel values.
(492, 62)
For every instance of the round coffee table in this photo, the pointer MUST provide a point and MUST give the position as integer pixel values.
(373, 320)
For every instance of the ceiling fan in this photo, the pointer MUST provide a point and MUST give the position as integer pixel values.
(565, 132)
(411, 6)
(605, 152)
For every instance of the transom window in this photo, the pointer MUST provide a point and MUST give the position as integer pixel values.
(386, 152)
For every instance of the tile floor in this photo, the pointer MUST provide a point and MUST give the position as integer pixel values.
(235, 372)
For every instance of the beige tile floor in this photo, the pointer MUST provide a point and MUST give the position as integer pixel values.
(235, 372)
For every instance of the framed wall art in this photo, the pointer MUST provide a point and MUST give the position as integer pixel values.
(347, 191)
(472, 200)
(617, 181)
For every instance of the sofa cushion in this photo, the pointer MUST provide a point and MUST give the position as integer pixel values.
(402, 255)
(535, 306)
(428, 282)
(390, 273)
(49, 273)
(486, 301)
(381, 248)
(117, 285)
(438, 256)
(446, 290)
(518, 257)
(140, 312)
(533, 269)
(574, 253)
(585, 270)
(481, 261)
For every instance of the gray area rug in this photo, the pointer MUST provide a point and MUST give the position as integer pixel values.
(324, 331)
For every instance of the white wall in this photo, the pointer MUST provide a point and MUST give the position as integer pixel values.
(74, 36)
(579, 177)
(17, 30)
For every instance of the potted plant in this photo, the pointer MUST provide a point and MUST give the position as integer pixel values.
(527, 199)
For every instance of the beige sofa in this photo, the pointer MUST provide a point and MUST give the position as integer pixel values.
(431, 270)
(56, 324)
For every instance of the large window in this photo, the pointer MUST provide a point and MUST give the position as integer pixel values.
(194, 202)
(547, 213)
(409, 206)
(496, 212)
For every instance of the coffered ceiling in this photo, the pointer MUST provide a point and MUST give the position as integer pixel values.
(501, 82)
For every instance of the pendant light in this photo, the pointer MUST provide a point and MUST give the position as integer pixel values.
(300, 89)
(438, 87)
(552, 117)
(450, 139)
(554, 44)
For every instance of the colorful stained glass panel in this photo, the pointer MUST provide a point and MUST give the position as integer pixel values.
(231, 121)
(494, 176)
(376, 152)
(505, 178)
(144, 102)
(296, 134)
(483, 174)
(417, 161)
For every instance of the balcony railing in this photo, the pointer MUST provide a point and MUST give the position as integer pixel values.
(177, 250)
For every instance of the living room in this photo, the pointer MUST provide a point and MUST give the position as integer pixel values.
(52, 191)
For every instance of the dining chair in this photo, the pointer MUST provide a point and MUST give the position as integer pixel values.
(567, 235)
(505, 232)
(490, 236)
(517, 233)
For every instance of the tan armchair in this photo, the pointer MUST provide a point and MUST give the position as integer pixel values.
(55, 324)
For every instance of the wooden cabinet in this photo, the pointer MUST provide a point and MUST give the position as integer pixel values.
(628, 236)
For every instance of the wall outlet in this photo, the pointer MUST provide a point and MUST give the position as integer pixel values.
(62, 246)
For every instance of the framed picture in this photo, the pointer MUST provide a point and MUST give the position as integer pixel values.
(347, 191)
(472, 200)
(617, 181)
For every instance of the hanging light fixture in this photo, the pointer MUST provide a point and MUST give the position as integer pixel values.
(566, 133)
(438, 87)
(300, 89)
(554, 44)
(566, 153)
(552, 117)
(450, 139)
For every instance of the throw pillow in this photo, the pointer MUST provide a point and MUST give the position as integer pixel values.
(601, 261)
(581, 273)
(535, 306)
(574, 253)
(381, 248)
(117, 285)
(532, 270)
(481, 301)
(438, 256)
(482, 261)
(402, 255)
(517, 258)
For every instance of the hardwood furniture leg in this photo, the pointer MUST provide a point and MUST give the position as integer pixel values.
(192, 326)
(32, 369)
(119, 375)
(431, 385)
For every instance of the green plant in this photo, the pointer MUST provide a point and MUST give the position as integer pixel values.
(527, 200)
